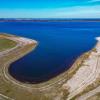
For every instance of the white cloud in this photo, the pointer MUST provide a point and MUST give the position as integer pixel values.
(94, 1)
(80, 12)
(68, 12)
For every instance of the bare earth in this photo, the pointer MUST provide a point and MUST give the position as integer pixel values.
(86, 75)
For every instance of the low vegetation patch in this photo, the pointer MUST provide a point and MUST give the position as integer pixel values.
(6, 44)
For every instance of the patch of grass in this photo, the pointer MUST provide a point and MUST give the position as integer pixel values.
(6, 44)
(94, 50)
(65, 94)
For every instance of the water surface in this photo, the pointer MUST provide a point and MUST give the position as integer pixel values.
(60, 43)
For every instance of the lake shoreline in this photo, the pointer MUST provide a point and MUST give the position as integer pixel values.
(65, 75)
(50, 87)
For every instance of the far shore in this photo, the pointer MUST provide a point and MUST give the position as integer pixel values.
(48, 20)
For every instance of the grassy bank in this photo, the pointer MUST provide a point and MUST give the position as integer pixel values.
(6, 44)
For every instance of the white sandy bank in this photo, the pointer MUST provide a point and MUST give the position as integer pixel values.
(87, 73)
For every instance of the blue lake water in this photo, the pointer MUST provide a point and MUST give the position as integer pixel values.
(60, 43)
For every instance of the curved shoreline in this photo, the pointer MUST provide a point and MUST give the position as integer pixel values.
(53, 87)
(47, 84)
(60, 79)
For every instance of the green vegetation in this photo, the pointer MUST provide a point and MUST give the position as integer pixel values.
(94, 50)
(6, 44)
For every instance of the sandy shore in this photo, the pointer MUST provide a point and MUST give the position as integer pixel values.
(10, 55)
(87, 73)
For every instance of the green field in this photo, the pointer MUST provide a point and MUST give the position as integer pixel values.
(6, 44)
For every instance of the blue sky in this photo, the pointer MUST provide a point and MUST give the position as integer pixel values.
(49, 8)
